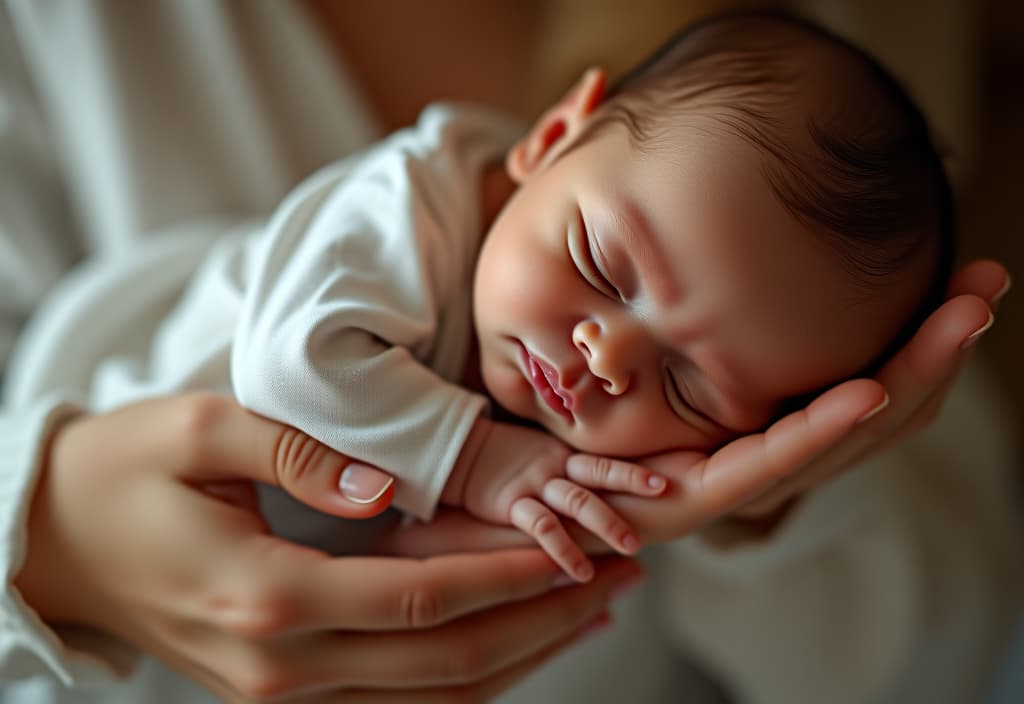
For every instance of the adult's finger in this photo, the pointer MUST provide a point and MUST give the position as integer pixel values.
(703, 489)
(989, 280)
(985, 278)
(749, 465)
(917, 378)
(925, 360)
(379, 593)
(482, 691)
(927, 364)
(463, 651)
(226, 442)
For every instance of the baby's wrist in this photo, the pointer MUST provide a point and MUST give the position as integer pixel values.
(455, 488)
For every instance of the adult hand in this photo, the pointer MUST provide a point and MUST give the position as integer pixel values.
(142, 527)
(917, 380)
(701, 488)
(755, 478)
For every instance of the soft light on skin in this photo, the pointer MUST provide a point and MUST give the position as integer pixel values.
(691, 267)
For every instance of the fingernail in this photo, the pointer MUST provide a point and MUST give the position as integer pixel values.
(562, 580)
(874, 411)
(626, 586)
(976, 335)
(363, 484)
(630, 543)
(584, 571)
(655, 482)
(1004, 290)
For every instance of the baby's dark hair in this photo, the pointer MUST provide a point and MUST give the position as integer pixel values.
(858, 167)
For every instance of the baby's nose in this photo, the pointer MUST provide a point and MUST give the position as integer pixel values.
(599, 350)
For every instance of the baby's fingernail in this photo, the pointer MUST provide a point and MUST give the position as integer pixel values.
(562, 580)
(874, 411)
(583, 571)
(976, 335)
(1004, 290)
(363, 484)
(630, 543)
(655, 482)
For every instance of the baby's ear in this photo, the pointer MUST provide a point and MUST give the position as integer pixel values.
(557, 127)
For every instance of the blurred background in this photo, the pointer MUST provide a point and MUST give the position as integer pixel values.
(962, 60)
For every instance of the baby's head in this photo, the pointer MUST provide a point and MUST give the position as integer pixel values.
(755, 213)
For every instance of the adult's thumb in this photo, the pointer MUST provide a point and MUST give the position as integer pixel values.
(230, 443)
(363, 484)
(327, 480)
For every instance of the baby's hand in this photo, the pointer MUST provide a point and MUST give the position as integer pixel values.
(519, 476)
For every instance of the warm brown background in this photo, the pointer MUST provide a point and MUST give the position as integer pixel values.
(963, 60)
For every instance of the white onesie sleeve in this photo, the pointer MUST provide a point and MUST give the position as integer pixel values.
(355, 325)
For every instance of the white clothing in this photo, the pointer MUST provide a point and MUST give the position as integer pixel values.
(356, 322)
(890, 585)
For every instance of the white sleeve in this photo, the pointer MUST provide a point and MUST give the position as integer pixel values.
(28, 646)
(892, 584)
(341, 295)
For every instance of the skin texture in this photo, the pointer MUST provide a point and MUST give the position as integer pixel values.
(674, 298)
(734, 493)
(649, 301)
(159, 541)
(112, 462)
(129, 538)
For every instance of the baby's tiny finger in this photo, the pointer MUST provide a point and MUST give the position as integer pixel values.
(614, 475)
(587, 509)
(540, 522)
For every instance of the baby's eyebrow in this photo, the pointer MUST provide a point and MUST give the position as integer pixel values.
(643, 249)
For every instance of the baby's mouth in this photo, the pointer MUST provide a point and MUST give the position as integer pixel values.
(543, 376)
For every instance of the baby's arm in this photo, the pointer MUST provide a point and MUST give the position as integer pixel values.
(509, 474)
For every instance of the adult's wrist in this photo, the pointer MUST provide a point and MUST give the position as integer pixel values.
(42, 578)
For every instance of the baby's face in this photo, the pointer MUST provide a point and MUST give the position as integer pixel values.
(635, 302)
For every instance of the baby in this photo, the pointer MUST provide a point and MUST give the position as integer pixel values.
(755, 213)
